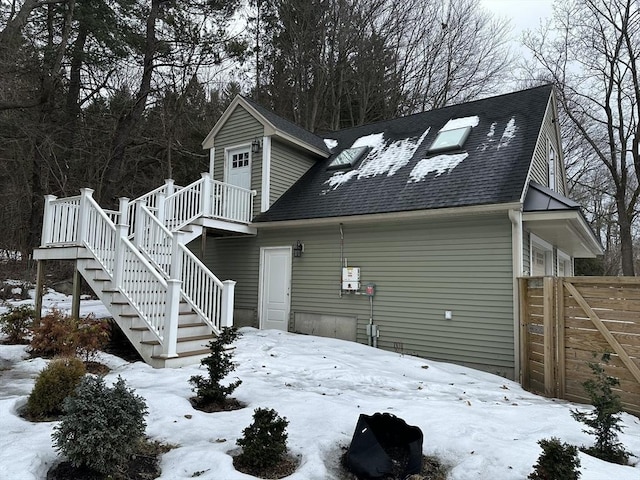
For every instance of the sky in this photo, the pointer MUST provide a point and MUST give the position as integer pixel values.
(523, 14)
(479, 425)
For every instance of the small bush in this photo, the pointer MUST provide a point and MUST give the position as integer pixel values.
(63, 335)
(16, 323)
(604, 420)
(219, 364)
(264, 442)
(102, 427)
(55, 383)
(558, 461)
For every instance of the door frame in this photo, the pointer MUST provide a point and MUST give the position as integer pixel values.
(227, 164)
(262, 277)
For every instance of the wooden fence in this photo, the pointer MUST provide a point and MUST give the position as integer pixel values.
(568, 322)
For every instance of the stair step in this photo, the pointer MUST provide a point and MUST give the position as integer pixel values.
(110, 290)
(143, 328)
(191, 353)
(180, 340)
(93, 268)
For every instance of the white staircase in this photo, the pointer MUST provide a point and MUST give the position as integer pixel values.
(165, 300)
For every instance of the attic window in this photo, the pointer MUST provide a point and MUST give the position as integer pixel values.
(450, 139)
(347, 158)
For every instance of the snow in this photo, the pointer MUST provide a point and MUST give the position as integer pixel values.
(462, 122)
(439, 164)
(383, 158)
(480, 425)
(330, 143)
(492, 130)
(508, 134)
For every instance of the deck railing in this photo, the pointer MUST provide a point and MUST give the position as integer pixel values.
(147, 262)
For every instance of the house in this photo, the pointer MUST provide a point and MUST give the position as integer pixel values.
(407, 234)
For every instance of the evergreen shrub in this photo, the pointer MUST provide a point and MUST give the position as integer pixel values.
(16, 323)
(102, 426)
(558, 461)
(264, 442)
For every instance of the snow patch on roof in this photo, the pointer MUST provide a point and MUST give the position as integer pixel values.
(462, 122)
(439, 164)
(509, 132)
(383, 158)
(330, 143)
(492, 130)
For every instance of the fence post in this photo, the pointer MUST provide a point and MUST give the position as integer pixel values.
(560, 346)
(47, 220)
(83, 219)
(207, 195)
(226, 310)
(549, 336)
(523, 297)
(122, 229)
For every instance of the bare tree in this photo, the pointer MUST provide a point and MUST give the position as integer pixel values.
(591, 51)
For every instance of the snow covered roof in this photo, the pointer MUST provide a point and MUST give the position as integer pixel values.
(399, 173)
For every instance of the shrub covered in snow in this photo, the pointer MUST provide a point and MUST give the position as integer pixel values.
(102, 427)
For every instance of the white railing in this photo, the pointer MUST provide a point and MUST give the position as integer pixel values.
(60, 223)
(154, 240)
(229, 202)
(149, 263)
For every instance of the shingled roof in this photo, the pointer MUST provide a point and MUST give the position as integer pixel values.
(399, 174)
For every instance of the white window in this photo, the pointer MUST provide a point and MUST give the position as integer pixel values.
(450, 139)
(240, 159)
(552, 167)
(564, 265)
(541, 257)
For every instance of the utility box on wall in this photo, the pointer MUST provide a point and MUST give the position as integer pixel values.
(351, 278)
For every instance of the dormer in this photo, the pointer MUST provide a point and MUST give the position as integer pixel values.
(256, 149)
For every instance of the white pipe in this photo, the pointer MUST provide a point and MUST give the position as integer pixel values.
(516, 255)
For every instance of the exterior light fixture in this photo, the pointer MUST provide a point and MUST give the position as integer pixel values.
(255, 145)
(298, 248)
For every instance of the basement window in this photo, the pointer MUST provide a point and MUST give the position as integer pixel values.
(347, 158)
(450, 139)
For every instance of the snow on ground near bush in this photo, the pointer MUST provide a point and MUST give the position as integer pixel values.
(482, 426)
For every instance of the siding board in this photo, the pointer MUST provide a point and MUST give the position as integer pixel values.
(420, 270)
(287, 166)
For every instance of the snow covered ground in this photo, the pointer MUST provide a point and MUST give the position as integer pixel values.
(481, 426)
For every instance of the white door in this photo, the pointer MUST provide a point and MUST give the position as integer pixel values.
(275, 287)
(238, 173)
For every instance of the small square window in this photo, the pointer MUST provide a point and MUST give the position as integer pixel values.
(347, 158)
(450, 140)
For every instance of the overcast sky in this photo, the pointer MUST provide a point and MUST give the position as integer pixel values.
(524, 14)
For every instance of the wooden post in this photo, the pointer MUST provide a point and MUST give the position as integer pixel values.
(226, 310)
(560, 348)
(525, 341)
(75, 301)
(549, 337)
(39, 290)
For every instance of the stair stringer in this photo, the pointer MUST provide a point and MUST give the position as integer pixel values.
(193, 333)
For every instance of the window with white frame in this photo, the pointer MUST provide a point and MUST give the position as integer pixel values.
(541, 257)
(564, 265)
(552, 166)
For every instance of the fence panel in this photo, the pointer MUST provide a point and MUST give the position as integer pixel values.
(567, 323)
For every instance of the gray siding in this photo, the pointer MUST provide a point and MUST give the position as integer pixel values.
(540, 166)
(287, 166)
(241, 128)
(421, 269)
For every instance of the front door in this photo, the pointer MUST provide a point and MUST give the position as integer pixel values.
(275, 287)
(238, 173)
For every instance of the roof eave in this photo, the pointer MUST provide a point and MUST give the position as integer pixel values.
(391, 216)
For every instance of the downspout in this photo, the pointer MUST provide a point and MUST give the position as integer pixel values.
(341, 257)
(516, 255)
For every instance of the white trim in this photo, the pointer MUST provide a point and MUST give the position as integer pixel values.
(552, 182)
(261, 279)
(518, 266)
(265, 202)
(212, 160)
